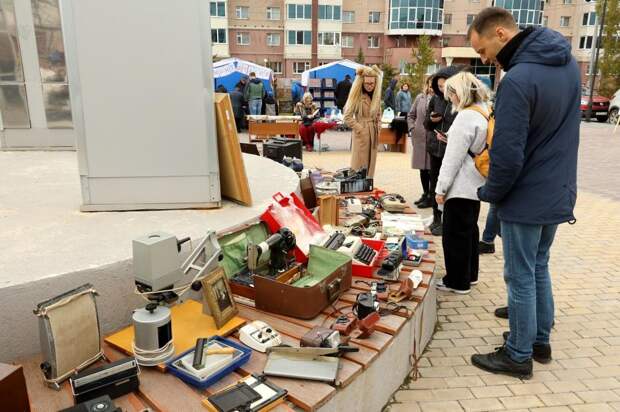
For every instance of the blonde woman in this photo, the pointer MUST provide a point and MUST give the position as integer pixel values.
(459, 181)
(362, 113)
(309, 113)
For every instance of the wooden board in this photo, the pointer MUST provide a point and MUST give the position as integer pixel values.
(233, 179)
(265, 130)
(188, 324)
(387, 136)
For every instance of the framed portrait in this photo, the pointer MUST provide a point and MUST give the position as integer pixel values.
(218, 297)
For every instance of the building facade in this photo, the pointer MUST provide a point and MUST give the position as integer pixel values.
(291, 36)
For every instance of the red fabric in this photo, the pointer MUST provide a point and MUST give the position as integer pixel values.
(320, 127)
(307, 134)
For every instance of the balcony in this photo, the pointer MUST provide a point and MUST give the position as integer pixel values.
(416, 17)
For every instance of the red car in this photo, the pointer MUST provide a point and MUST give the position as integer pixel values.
(600, 106)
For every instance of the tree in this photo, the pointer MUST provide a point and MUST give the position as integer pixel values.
(360, 57)
(421, 57)
(609, 63)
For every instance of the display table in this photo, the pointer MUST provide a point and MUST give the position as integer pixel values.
(362, 384)
(388, 136)
(264, 127)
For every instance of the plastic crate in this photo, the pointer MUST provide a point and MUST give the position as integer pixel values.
(240, 358)
(329, 83)
(314, 83)
(366, 271)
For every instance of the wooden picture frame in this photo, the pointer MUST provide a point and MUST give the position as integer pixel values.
(218, 297)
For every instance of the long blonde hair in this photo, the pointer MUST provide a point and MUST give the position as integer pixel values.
(468, 89)
(354, 102)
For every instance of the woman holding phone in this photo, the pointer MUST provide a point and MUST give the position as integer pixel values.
(439, 118)
(459, 181)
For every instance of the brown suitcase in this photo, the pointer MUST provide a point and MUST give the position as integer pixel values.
(326, 277)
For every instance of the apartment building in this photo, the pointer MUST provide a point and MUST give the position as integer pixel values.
(291, 36)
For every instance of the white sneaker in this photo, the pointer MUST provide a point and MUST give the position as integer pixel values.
(440, 286)
(475, 282)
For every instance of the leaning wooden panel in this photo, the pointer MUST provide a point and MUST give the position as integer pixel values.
(233, 179)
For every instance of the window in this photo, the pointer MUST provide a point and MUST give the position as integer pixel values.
(585, 42)
(273, 39)
(564, 21)
(299, 37)
(416, 14)
(447, 19)
(470, 19)
(275, 66)
(373, 42)
(445, 42)
(218, 36)
(242, 12)
(300, 11)
(589, 19)
(273, 13)
(485, 72)
(329, 39)
(525, 12)
(218, 8)
(348, 16)
(300, 67)
(545, 22)
(567, 1)
(327, 12)
(347, 42)
(243, 38)
(374, 17)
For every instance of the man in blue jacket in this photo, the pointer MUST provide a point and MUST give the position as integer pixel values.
(533, 174)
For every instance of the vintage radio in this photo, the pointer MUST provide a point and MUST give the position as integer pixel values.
(114, 379)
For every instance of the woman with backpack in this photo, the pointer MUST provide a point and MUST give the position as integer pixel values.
(459, 180)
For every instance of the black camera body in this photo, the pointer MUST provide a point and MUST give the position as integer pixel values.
(101, 404)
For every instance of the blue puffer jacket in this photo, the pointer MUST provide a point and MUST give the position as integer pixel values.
(533, 173)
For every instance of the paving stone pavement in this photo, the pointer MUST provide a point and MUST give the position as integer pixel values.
(585, 263)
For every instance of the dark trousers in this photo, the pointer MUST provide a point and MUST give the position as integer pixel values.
(434, 174)
(460, 242)
(425, 179)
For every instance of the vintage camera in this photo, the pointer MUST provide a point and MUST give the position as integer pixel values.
(102, 404)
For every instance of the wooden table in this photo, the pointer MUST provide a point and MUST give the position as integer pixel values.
(362, 384)
(388, 136)
(258, 130)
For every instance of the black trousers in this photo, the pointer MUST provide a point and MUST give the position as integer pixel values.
(425, 179)
(434, 174)
(460, 242)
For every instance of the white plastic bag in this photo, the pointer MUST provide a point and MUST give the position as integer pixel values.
(388, 115)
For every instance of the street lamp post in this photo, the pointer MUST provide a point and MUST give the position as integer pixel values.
(594, 70)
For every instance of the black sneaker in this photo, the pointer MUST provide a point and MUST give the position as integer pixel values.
(502, 312)
(541, 352)
(437, 230)
(484, 247)
(500, 362)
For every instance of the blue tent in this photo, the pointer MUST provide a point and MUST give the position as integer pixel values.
(335, 70)
(228, 72)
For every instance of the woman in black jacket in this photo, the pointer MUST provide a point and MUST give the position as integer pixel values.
(439, 118)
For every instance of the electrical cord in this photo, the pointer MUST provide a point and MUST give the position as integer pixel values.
(153, 357)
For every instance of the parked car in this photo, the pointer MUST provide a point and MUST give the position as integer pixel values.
(614, 107)
(600, 106)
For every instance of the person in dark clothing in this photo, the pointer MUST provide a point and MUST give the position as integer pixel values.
(389, 99)
(439, 118)
(237, 101)
(532, 176)
(342, 92)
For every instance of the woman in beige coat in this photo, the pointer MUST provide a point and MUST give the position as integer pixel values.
(362, 113)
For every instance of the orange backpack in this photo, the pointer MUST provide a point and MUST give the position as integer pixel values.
(482, 159)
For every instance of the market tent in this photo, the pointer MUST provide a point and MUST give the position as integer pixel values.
(228, 72)
(335, 70)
